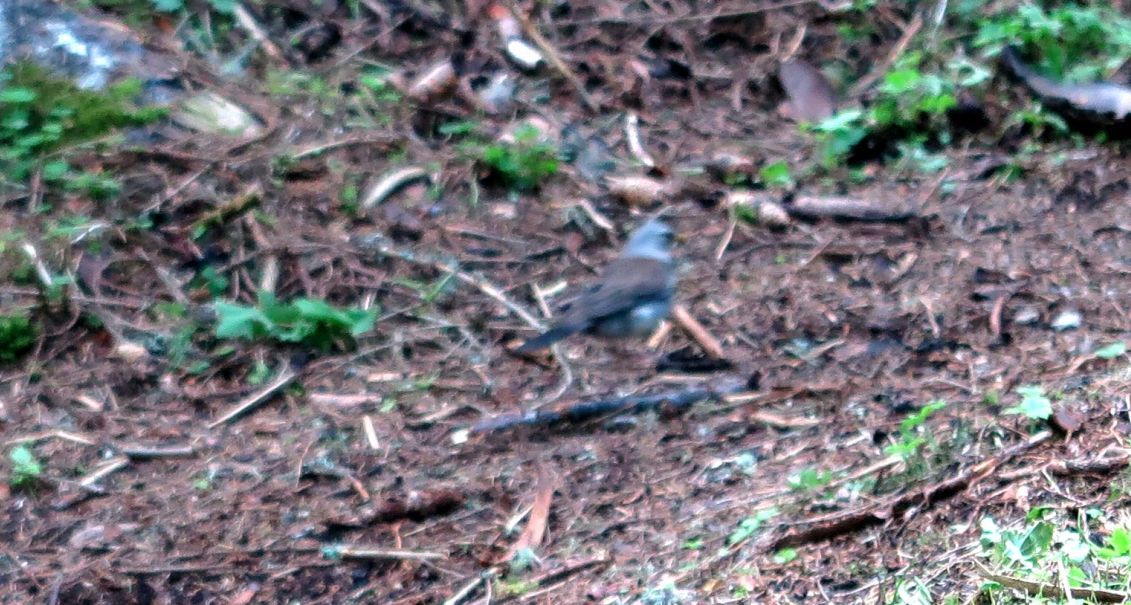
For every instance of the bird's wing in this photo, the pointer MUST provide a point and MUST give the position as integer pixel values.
(624, 284)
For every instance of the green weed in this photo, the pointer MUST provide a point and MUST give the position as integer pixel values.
(310, 322)
(41, 116)
(17, 335)
(522, 165)
(911, 437)
(1034, 404)
(26, 470)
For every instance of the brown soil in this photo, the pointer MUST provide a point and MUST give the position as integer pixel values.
(839, 330)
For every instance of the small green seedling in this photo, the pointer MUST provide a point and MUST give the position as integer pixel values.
(523, 164)
(26, 470)
(1034, 404)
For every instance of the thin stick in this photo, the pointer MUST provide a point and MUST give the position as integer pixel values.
(646, 20)
(552, 54)
(710, 344)
(659, 335)
(632, 135)
(111, 467)
(139, 452)
(246, 21)
(1051, 590)
(724, 243)
(58, 434)
(318, 148)
(462, 593)
(40, 267)
(382, 247)
(242, 202)
(882, 68)
(370, 432)
(270, 270)
(283, 379)
(598, 219)
(586, 410)
(356, 552)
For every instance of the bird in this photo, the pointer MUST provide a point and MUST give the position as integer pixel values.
(628, 299)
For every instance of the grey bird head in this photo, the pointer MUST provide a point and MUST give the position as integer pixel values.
(630, 298)
(651, 240)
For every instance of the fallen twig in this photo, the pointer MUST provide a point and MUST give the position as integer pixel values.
(552, 579)
(370, 432)
(635, 146)
(896, 51)
(111, 467)
(552, 54)
(41, 271)
(368, 140)
(389, 183)
(535, 529)
(836, 524)
(1099, 464)
(698, 333)
(344, 400)
(248, 22)
(782, 422)
(140, 452)
(57, 434)
(283, 379)
(585, 410)
(693, 16)
(461, 594)
(360, 552)
(269, 271)
(245, 200)
(1042, 589)
(812, 207)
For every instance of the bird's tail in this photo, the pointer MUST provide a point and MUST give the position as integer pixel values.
(547, 338)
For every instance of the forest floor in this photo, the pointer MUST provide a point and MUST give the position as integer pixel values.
(865, 449)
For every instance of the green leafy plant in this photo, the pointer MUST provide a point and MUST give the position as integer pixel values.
(1078, 43)
(809, 480)
(912, 591)
(41, 115)
(750, 526)
(1015, 548)
(212, 280)
(17, 335)
(907, 112)
(910, 438)
(1034, 404)
(26, 470)
(776, 175)
(1091, 551)
(523, 164)
(838, 135)
(908, 94)
(311, 322)
(226, 7)
(785, 555)
(692, 544)
(1112, 351)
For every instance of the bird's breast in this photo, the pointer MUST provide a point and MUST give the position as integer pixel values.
(640, 321)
